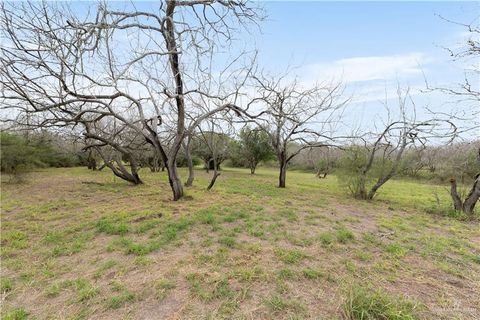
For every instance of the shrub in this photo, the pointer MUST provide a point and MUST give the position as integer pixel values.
(350, 168)
(21, 154)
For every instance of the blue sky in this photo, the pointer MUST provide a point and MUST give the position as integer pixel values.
(331, 35)
(333, 30)
(370, 46)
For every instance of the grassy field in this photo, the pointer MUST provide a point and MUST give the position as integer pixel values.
(78, 244)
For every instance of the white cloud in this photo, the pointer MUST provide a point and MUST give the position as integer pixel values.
(358, 69)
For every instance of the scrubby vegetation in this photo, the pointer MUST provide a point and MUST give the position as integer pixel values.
(22, 153)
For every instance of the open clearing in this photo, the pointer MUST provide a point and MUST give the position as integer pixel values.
(77, 244)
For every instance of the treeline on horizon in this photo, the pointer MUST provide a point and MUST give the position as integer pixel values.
(25, 151)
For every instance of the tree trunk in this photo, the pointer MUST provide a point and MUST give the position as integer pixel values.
(191, 174)
(321, 175)
(471, 200)
(473, 196)
(376, 186)
(207, 167)
(174, 59)
(457, 202)
(283, 173)
(252, 169)
(123, 173)
(362, 190)
(174, 180)
(120, 170)
(381, 181)
(134, 170)
(215, 171)
(214, 178)
(155, 162)
(92, 164)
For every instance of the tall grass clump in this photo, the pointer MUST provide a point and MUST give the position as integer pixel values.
(367, 304)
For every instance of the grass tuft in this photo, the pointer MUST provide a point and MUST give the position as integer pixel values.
(344, 235)
(16, 314)
(365, 304)
(290, 256)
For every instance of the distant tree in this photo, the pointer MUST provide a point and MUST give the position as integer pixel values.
(254, 146)
(215, 141)
(295, 118)
(212, 147)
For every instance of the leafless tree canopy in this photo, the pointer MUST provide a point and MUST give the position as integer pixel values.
(467, 92)
(295, 116)
(139, 70)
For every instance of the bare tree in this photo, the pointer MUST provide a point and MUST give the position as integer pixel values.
(294, 117)
(383, 150)
(66, 67)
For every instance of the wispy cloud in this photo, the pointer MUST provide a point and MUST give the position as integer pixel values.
(359, 69)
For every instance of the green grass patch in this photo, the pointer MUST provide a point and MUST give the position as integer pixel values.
(344, 235)
(227, 241)
(366, 304)
(16, 314)
(6, 284)
(207, 290)
(118, 301)
(112, 228)
(290, 256)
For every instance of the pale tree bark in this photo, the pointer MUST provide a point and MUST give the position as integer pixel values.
(188, 157)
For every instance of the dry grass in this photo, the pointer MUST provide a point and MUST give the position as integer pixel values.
(81, 245)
